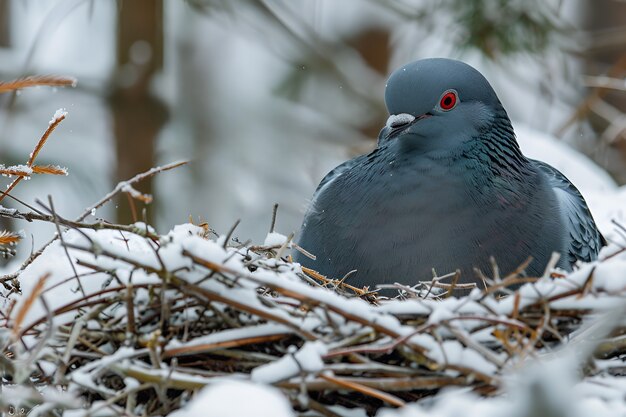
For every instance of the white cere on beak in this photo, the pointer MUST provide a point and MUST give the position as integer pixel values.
(396, 120)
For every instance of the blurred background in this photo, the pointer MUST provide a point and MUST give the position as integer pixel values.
(264, 97)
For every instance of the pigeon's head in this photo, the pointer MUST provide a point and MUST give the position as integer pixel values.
(439, 103)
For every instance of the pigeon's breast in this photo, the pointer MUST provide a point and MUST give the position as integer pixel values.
(391, 219)
(397, 219)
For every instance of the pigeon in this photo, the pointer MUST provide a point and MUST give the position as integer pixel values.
(446, 189)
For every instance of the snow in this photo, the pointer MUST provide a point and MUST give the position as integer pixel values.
(540, 388)
(454, 404)
(58, 115)
(454, 353)
(584, 173)
(608, 276)
(16, 170)
(232, 334)
(237, 399)
(7, 211)
(441, 312)
(60, 290)
(306, 360)
(61, 169)
(274, 239)
(545, 387)
(21, 397)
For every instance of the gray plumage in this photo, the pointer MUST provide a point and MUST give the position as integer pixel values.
(446, 188)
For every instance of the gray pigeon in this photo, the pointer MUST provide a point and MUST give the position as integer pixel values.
(446, 188)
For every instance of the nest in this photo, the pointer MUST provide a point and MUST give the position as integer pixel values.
(138, 322)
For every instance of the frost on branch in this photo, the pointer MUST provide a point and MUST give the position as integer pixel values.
(60, 114)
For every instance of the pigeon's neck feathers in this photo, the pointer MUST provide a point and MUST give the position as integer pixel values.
(496, 145)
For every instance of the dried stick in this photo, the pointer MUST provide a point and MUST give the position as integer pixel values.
(364, 389)
(56, 120)
(118, 189)
(122, 185)
(67, 253)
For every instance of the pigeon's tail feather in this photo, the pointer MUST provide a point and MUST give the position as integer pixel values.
(585, 238)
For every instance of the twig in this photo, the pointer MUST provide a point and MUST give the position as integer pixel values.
(56, 120)
(139, 177)
(364, 389)
(60, 236)
(120, 186)
(230, 233)
(274, 212)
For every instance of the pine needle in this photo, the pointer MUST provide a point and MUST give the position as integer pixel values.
(9, 238)
(39, 80)
(49, 169)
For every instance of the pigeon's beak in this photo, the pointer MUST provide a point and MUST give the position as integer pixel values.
(399, 122)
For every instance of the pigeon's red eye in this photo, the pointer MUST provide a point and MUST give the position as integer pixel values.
(448, 101)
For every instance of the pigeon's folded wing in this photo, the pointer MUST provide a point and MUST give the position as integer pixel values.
(337, 172)
(586, 240)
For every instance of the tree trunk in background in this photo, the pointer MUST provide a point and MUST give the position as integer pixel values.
(138, 115)
(606, 22)
(5, 23)
(374, 46)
